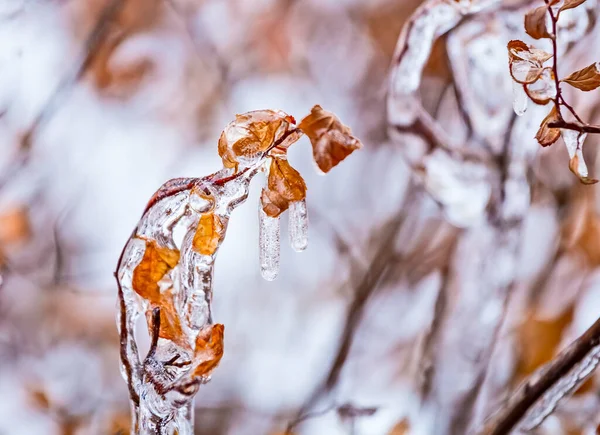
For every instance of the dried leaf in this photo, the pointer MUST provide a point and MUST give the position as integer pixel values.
(586, 79)
(285, 185)
(209, 234)
(209, 349)
(331, 140)
(546, 136)
(574, 167)
(157, 261)
(170, 325)
(570, 4)
(251, 134)
(535, 23)
(518, 50)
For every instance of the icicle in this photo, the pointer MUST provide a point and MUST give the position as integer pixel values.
(574, 141)
(298, 225)
(519, 99)
(268, 234)
(563, 388)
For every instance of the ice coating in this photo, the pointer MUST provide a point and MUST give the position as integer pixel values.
(269, 249)
(574, 142)
(298, 226)
(562, 389)
(163, 384)
(165, 272)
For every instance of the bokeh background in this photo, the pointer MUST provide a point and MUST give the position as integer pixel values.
(430, 288)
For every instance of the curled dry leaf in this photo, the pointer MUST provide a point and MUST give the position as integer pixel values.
(575, 165)
(546, 135)
(208, 235)
(209, 349)
(331, 140)
(535, 23)
(252, 134)
(285, 185)
(586, 79)
(570, 4)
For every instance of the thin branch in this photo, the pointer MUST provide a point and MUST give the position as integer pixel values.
(534, 388)
(584, 128)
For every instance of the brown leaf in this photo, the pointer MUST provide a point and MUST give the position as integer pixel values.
(546, 136)
(331, 140)
(251, 134)
(209, 234)
(586, 79)
(535, 23)
(574, 167)
(170, 325)
(518, 50)
(284, 185)
(156, 262)
(570, 4)
(209, 349)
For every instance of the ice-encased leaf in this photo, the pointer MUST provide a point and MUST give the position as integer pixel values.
(574, 142)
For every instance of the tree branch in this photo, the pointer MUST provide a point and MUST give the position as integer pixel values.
(540, 382)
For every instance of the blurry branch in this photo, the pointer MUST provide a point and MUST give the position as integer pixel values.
(528, 394)
(89, 53)
(375, 270)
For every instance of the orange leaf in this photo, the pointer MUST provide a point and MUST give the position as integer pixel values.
(157, 262)
(209, 349)
(170, 325)
(208, 235)
(570, 4)
(546, 136)
(284, 185)
(251, 134)
(574, 167)
(586, 79)
(535, 23)
(331, 140)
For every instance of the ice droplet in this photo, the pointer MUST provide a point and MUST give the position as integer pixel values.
(574, 141)
(298, 225)
(519, 99)
(563, 388)
(268, 239)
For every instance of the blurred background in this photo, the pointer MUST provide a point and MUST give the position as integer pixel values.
(431, 286)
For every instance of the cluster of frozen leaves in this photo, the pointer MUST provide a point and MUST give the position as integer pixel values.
(534, 79)
(169, 279)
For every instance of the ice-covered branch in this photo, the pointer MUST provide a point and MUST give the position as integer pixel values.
(165, 271)
(539, 395)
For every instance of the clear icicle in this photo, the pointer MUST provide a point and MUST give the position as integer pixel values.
(563, 388)
(298, 225)
(268, 234)
(574, 141)
(519, 99)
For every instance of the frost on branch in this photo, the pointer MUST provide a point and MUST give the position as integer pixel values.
(166, 269)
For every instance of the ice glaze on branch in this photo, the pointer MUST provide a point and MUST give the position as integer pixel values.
(169, 279)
